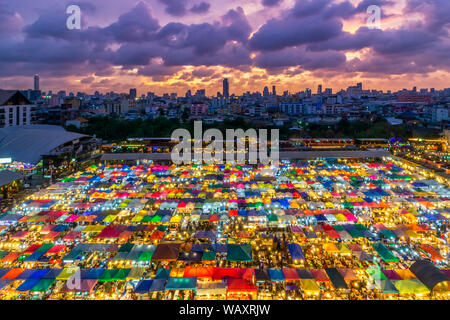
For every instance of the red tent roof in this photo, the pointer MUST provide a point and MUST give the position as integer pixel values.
(241, 285)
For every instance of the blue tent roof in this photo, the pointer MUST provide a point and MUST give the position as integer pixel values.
(143, 286)
(295, 251)
(276, 274)
(52, 274)
(94, 273)
(157, 285)
(39, 273)
(34, 256)
(3, 272)
(25, 274)
(28, 284)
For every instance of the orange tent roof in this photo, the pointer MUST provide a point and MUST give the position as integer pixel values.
(199, 272)
(13, 273)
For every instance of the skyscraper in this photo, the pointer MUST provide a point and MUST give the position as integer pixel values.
(319, 89)
(274, 91)
(266, 91)
(36, 82)
(133, 93)
(226, 88)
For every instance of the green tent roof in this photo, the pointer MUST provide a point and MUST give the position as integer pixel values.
(145, 256)
(239, 252)
(384, 252)
(209, 256)
(43, 285)
(126, 247)
(121, 275)
(376, 274)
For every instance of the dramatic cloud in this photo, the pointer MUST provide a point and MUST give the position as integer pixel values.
(175, 8)
(281, 33)
(139, 42)
(202, 7)
(271, 3)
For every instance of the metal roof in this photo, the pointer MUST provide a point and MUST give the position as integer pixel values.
(284, 155)
(8, 176)
(28, 143)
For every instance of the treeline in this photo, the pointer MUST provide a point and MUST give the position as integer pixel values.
(116, 129)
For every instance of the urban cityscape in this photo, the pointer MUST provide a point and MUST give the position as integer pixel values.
(357, 206)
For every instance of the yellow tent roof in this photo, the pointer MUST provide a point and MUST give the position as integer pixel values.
(137, 218)
(175, 219)
(309, 285)
(330, 247)
(345, 249)
(410, 287)
(67, 273)
(331, 205)
(93, 228)
(412, 234)
(405, 274)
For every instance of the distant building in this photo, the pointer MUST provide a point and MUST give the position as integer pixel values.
(133, 93)
(319, 89)
(226, 88)
(199, 109)
(36, 82)
(414, 98)
(16, 109)
(201, 93)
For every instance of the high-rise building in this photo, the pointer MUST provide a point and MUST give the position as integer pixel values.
(266, 91)
(319, 89)
(226, 88)
(133, 93)
(274, 91)
(36, 82)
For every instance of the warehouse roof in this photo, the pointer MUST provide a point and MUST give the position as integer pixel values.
(28, 143)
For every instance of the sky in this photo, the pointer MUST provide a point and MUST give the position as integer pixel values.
(166, 46)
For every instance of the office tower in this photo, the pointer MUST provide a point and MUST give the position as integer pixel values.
(226, 88)
(36, 82)
(265, 91)
(319, 89)
(274, 91)
(133, 93)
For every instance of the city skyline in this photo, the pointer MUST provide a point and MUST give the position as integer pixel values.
(293, 45)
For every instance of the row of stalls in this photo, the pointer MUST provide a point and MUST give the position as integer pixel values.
(318, 229)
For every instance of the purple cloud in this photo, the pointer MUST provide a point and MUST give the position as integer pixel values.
(201, 8)
(271, 3)
(291, 31)
(175, 8)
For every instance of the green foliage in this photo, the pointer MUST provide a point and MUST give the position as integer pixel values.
(116, 129)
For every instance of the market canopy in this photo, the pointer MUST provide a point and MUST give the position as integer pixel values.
(166, 252)
(336, 278)
(429, 275)
(181, 283)
(239, 252)
(295, 251)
